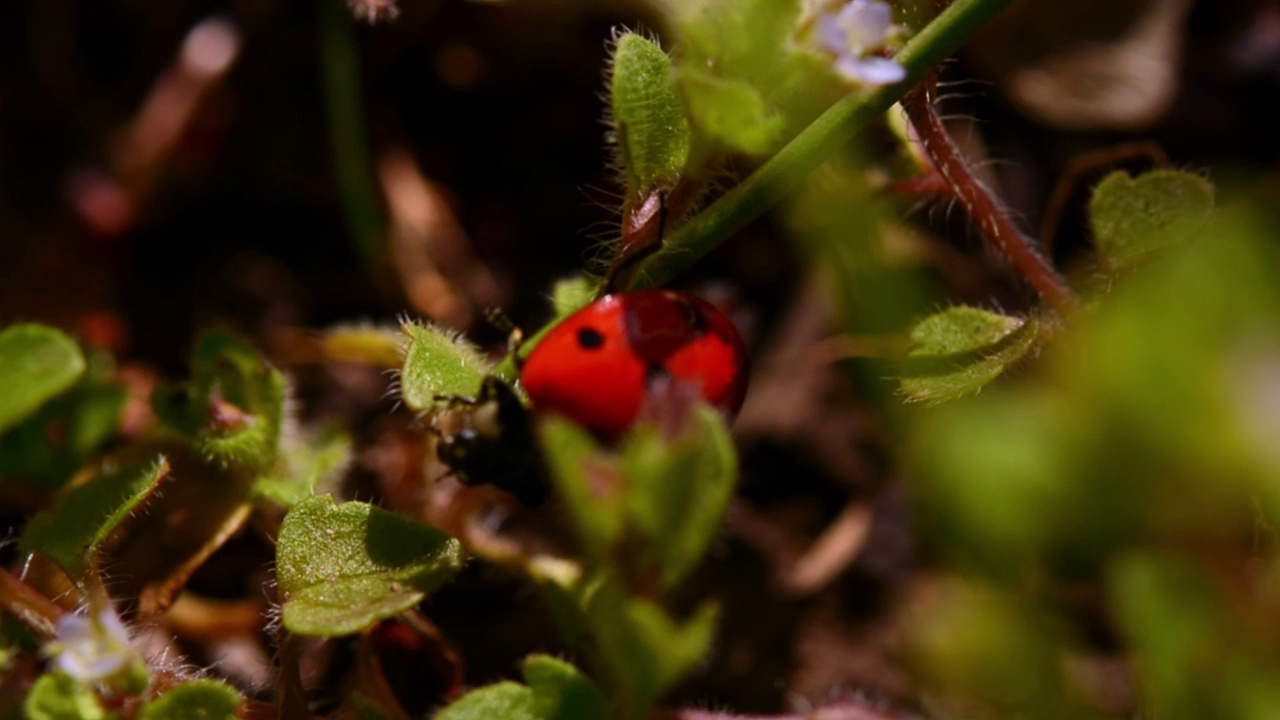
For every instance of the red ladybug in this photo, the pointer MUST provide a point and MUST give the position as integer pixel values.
(598, 365)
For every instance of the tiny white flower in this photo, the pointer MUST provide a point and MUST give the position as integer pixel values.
(92, 648)
(854, 33)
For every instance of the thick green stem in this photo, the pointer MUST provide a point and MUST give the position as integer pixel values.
(821, 140)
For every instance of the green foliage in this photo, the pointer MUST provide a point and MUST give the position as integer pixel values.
(438, 363)
(343, 567)
(956, 352)
(233, 408)
(194, 700)
(47, 448)
(572, 294)
(644, 517)
(56, 696)
(732, 54)
(38, 364)
(1133, 218)
(987, 649)
(72, 533)
(1146, 434)
(306, 463)
(556, 690)
(649, 125)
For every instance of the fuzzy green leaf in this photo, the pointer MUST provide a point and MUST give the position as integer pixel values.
(501, 701)
(648, 117)
(589, 483)
(955, 352)
(57, 696)
(37, 364)
(731, 111)
(344, 567)
(1133, 217)
(194, 700)
(229, 371)
(438, 363)
(86, 515)
(679, 489)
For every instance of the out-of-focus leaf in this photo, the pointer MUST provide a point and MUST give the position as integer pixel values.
(572, 294)
(48, 448)
(1196, 656)
(194, 700)
(991, 651)
(1132, 218)
(589, 484)
(37, 364)
(955, 352)
(377, 346)
(307, 463)
(679, 489)
(85, 516)
(56, 696)
(343, 567)
(501, 701)
(648, 118)
(730, 111)
(438, 363)
(561, 691)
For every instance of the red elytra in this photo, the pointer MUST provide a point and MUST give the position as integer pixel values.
(598, 365)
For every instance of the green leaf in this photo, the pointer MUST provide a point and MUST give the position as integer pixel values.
(231, 378)
(56, 696)
(501, 701)
(648, 117)
(343, 567)
(572, 294)
(646, 651)
(561, 691)
(37, 364)
(47, 448)
(438, 363)
(194, 700)
(588, 482)
(988, 648)
(1132, 218)
(307, 463)
(86, 515)
(678, 490)
(731, 111)
(955, 352)
(743, 39)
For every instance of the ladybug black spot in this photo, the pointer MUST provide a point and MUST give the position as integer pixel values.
(590, 338)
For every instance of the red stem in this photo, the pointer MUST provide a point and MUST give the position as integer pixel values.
(995, 224)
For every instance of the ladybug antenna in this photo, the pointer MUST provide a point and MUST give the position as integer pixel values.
(515, 336)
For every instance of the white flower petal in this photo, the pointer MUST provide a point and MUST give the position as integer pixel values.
(831, 35)
(865, 24)
(871, 71)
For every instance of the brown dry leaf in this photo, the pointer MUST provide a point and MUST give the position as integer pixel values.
(1087, 65)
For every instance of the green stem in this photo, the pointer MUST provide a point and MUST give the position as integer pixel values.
(352, 161)
(813, 146)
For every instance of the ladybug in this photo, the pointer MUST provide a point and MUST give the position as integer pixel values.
(600, 364)
(597, 367)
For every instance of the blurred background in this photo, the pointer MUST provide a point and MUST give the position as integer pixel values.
(283, 166)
